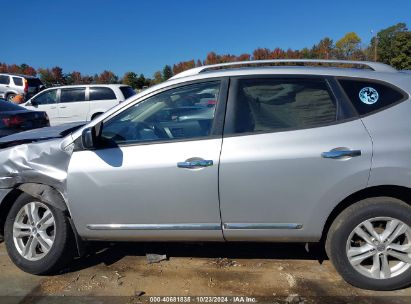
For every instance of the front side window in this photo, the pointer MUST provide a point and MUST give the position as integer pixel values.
(368, 96)
(4, 79)
(73, 95)
(270, 105)
(181, 113)
(101, 93)
(48, 97)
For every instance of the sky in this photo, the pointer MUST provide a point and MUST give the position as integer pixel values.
(142, 36)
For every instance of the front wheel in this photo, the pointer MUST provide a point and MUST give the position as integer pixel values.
(369, 244)
(37, 236)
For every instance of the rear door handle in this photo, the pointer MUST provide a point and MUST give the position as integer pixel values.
(340, 154)
(193, 164)
(63, 107)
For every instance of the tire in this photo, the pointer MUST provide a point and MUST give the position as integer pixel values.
(41, 260)
(10, 97)
(385, 215)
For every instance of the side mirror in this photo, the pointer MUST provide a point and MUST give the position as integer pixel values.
(88, 138)
(32, 102)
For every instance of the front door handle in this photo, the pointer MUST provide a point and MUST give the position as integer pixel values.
(63, 107)
(341, 154)
(193, 164)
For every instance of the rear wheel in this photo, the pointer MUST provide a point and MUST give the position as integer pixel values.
(10, 97)
(37, 236)
(369, 244)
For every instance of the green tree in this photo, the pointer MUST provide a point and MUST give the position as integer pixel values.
(167, 72)
(401, 51)
(158, 78)
(385, 41)
(348, 45)
(131, 79)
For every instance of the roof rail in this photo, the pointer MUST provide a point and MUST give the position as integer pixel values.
(375, 66)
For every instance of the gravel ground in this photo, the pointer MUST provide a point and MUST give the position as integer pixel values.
(120, 273)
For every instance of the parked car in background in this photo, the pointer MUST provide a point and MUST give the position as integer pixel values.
(12, 85)
(216, 153)
(78, 102)
(14, 119)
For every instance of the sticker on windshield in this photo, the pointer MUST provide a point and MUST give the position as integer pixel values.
(368, 95)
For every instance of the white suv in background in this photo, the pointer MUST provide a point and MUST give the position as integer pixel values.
(77, 103)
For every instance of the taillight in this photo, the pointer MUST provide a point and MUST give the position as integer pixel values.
(211, 103)
(26, 86)
(13, 121)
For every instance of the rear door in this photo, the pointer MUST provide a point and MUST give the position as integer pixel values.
(73, 106)
(292, 149)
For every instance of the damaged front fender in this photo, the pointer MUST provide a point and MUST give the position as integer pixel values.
(43, 162)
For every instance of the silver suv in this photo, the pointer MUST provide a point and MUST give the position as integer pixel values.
(257, 153)
(12, 85)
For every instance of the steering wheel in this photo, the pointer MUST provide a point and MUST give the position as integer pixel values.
(159, 132)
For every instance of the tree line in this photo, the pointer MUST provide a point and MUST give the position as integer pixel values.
(391, 45)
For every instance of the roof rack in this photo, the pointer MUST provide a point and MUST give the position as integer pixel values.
(375, 66)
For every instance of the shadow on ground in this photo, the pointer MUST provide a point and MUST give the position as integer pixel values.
(109, 253)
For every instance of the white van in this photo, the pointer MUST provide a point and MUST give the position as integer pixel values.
(78, 102)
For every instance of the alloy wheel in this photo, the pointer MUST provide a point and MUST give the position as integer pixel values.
(34, 231)
(380, 248)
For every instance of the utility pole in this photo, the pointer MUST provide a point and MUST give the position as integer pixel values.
(375, 46)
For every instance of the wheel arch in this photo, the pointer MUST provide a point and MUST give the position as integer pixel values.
(398, 192)
(46, 194)
(6, 94)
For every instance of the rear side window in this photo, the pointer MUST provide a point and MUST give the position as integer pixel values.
(18, 81)
(73, 95)
(101, 93)
(369, 96)
(4, 79)
(270, 105)
(127, 92)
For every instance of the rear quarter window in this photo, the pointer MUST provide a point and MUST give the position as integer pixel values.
(368, 96)
(101, 93)
(18, 81)
(127, 92)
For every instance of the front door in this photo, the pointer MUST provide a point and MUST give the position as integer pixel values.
(45, 101)
(155, 172)
(292, 151)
